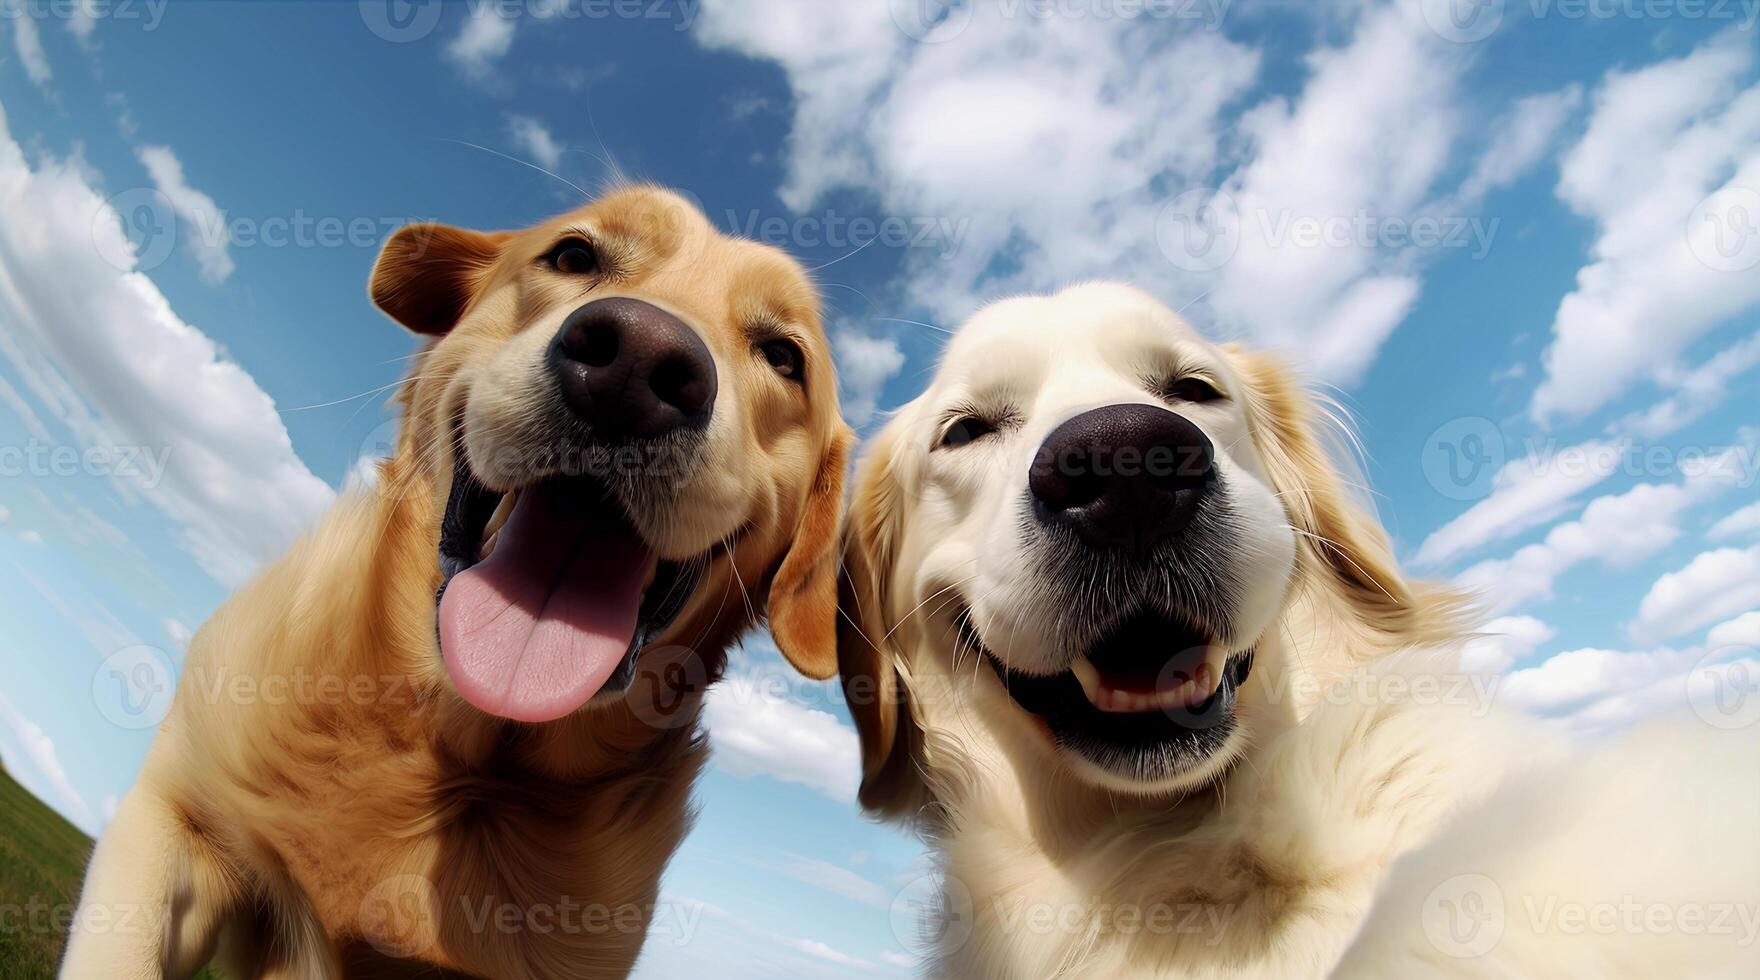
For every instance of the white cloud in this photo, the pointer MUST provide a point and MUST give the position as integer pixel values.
(485, 39)
(1525, 493)
(98, 345)
(1660, 140)
(1594, 692)
(864, 364)
(1744, 521)
(898, 959)
(82, 20)
(1503, 641)
(30, 536)
(26, 414)
(29, 45)
(1520, 138)
(531, 137)
(204, 223)
(756, 733)
(179, 634)
(39, 748)
(1128, 114)
(1742, 631)
(1714, 585)
(1695, 391)
(1618, 530)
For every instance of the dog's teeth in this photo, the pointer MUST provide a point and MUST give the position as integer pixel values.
(1089, 679)
(489, 545)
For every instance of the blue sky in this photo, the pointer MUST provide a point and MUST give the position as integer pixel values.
(1522, 244)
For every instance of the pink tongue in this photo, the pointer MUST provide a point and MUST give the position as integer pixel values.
(532, 632)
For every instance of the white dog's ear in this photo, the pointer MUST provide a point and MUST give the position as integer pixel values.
(1341, 548)
(877, 696)
(803, 593)
(427, 274)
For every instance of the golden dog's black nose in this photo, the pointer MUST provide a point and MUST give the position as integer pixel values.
(1122, 477)
(632, 370)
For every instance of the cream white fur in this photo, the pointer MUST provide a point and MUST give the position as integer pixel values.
(1373, 791)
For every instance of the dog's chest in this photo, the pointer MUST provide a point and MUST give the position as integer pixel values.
(492, 871)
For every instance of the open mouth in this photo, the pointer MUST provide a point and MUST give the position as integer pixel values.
(1153, 699)
(548, 593)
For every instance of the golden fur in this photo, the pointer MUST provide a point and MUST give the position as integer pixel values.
(360, 828)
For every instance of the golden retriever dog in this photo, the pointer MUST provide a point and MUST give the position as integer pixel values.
(1120, 643)
(455, 730)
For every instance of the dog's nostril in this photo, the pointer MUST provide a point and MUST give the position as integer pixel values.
(597, 345)
(678, 383)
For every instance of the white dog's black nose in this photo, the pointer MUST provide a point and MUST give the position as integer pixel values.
(1122, 477)
(632, 370)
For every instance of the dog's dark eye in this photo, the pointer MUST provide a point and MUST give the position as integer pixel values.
(783, 355)
(967, 430)
(1192, 390)
(574, 257)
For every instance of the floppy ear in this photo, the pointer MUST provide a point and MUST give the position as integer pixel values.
(427, 273)
(1340, 546)
(803, 593)
(877, 696)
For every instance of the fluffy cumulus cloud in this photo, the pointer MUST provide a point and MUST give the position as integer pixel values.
(1525, 493)
(1694, 391)
(1617, 530)
(204, 223)
(1129, 116)
(484, 40)
(1740, 523)
(755, 732)
(1500, 643)
(99, 347)
(1594, 691)
(1715, 584)
(865, 363)
(1669, 171)
(535, 140)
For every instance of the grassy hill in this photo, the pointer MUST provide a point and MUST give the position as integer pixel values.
(42, 858)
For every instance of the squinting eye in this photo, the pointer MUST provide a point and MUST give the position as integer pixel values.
(1192, 390)
(784, 356)
(574, 257)
(966, 430)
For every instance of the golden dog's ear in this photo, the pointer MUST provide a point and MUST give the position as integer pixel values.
(803, 593)
(427, 274)
(1340, 546)
(877, 695)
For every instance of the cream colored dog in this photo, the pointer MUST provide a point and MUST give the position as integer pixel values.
(469, 724)
(1118, 642)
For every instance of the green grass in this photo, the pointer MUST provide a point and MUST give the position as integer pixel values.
(42, 859)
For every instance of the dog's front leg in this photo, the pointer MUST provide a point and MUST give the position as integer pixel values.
(153, 899)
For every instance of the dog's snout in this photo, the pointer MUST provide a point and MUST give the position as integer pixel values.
(1122, 477)
(632, 370)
